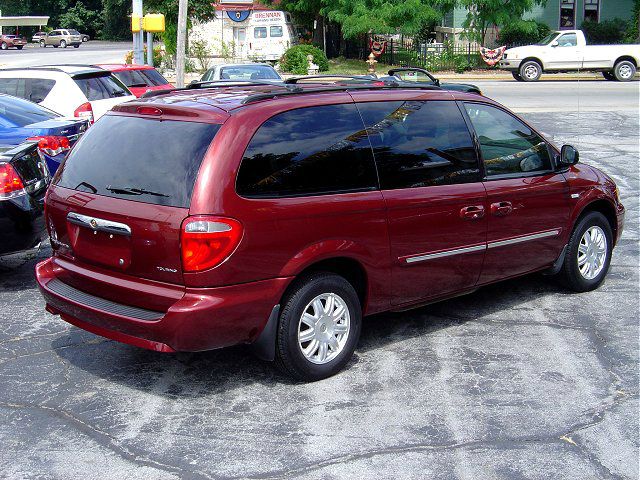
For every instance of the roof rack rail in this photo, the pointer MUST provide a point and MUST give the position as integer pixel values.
(295, 80)
(219, 84)
(334, 88)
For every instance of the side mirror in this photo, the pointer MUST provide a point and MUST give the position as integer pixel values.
(554, 43)
(569, 156)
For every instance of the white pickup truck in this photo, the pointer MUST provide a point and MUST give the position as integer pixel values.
(567, 51)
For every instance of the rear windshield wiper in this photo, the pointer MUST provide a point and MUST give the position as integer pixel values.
(134, 191)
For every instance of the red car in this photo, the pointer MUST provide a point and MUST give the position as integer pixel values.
(279, 215)
(12, 41)
(139, 79)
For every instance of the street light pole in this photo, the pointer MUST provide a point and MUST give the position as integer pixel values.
(138, 41)
(181, 43)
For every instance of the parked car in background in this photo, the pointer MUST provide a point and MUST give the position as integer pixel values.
(38, 36)
(21, 120)
(139, 79)
(279, 215)
(85, 37)
(241, 72)
(62, 38)
(72, 90)
(419, 76)
(24, 179)
(12, 41)
(567, 51)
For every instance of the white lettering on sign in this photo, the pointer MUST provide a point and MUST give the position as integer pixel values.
(267, 17)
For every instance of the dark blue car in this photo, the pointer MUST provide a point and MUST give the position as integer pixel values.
(21, 120)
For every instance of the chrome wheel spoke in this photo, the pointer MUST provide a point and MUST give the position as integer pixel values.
(322, 351)
(308, 320)
(311, 348)
(307, 335)
(333, 343)
(340, 328)
(592, 252)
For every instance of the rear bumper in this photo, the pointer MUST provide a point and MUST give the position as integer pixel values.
(201, 319)
(22, 224)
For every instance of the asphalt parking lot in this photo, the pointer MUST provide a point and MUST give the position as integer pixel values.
(520, 380)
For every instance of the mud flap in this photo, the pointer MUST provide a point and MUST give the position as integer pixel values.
(265, 346)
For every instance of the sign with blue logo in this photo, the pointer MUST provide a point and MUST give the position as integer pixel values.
(238, 16)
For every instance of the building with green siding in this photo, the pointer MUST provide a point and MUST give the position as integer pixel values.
(558, 14)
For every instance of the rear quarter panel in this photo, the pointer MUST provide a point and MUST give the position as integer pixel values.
(284, 236)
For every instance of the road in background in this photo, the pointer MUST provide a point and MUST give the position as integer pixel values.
(88, 53)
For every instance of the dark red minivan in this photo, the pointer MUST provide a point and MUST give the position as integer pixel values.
(279, 215)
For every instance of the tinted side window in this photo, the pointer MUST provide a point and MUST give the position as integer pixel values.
(14, 86)
(311, 150)
(100, 87)
(508, 146)
(420, 144)
(40, 88)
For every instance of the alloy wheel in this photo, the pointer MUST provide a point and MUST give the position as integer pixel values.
(531, 72)
(592, 252)
(323, 328)
(625, 71)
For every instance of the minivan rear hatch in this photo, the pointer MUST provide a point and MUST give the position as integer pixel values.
(118, 200)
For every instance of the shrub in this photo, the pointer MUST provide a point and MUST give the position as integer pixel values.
(523, 32)
(606, 32)
(295, 60)
(158, 55)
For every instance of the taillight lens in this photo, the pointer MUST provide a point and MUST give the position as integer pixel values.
(208, 241)
(52, 145)
(84, 111)
(10, 182)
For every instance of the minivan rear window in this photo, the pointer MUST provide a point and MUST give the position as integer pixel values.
(139, 159)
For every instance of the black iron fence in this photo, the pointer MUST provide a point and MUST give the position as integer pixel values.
(432, 56)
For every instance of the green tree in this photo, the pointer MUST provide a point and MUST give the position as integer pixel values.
(485, 14)
(81, 18)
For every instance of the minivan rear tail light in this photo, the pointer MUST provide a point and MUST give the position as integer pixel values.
(52, 145)
(84, 111)
(10, 182)
(208, 241)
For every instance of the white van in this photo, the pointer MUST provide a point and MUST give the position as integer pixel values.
(270, 34)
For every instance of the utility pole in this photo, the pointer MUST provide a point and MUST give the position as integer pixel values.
(138, 39)
(181, 43)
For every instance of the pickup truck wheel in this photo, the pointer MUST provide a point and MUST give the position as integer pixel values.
(530, 71)
(4, 46)
(624, 71)
(588, 253)
(42, 44)
(319, 327)
(517, 76)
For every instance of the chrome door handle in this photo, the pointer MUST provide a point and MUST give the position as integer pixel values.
(99, 224)
(501, 209)
(472, 212)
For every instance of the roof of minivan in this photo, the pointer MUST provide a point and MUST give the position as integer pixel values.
(228, 98)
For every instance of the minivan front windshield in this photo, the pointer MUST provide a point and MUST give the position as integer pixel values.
(140, 159)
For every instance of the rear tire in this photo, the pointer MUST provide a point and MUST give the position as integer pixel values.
(590, 245)
(624, 71)
(63, 44)
(517, 76)
(530, 71)
(319, 327)
(609, 76)
(4, 46)
(19, 47)
(76, 46)
(42, 44)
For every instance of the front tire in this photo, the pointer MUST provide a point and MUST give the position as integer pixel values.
(4, 46)
(588, 253)
(42, 44)
(624, 71)
(319, 327)
(517, 77)
(530, 71)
